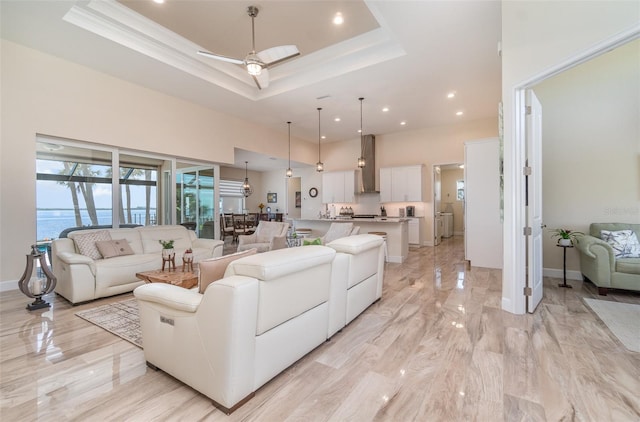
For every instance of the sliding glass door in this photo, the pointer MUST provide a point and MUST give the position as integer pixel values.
(195, 199)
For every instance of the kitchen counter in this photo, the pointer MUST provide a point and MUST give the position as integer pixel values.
(397, 230)
(368, 220)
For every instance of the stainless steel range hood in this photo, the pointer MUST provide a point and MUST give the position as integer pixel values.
(368, 172)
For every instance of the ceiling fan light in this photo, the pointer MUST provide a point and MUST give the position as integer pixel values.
(254, 65)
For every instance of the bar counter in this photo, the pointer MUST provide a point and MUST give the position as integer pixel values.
(397, 230)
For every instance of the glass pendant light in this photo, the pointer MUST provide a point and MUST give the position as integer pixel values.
(289, 171)
(246, 190)
(319, 165)
(361, 161)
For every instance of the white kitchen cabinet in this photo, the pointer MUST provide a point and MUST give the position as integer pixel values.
(401, 184)
(338, 187)
(385, 184)
(415, 231)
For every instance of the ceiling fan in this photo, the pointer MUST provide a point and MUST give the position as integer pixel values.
(257, 63)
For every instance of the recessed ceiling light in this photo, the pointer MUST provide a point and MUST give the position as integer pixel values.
(451, 94)
(323, 137)
(385, 109)
(359, 130)
(338, 19)
(459, 113)
(403, 123)
(461, 166)
(337, 119)
(158, 1)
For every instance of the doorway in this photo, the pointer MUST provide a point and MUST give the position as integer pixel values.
(448, 203)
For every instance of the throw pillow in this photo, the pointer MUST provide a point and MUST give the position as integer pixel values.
(112, 248)
(86, 243)
(213, 269)
(624, 243)
(316, 241)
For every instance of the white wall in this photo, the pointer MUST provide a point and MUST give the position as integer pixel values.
(537, 36)
(591, 147)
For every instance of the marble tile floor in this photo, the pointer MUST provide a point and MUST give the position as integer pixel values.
(437, 347)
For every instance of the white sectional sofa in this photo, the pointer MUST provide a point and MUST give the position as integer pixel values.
(268, 311)
(83, 277)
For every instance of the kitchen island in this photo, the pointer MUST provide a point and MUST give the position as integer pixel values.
(397, 230)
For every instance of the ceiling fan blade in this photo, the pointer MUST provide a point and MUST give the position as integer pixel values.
(274, 55)
(220, 57)
(262, 80)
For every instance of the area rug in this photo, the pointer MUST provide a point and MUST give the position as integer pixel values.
(120, 318)
(621, 318)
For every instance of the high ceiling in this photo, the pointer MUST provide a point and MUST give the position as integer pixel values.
(404, 55)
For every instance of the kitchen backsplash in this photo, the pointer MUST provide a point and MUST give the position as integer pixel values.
(370, 204)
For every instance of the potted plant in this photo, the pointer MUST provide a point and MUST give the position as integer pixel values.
(167, 248)
(566, 237)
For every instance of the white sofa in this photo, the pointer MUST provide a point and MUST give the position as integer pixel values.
(82, 278)
(268, 311)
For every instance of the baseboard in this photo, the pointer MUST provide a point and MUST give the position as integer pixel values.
(8, 285)
(558, 273)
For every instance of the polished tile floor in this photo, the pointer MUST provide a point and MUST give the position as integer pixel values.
(437, 347)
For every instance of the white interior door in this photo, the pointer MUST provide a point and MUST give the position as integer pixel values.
(534, 200)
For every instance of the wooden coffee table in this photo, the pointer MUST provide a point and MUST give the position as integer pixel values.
(177, 277)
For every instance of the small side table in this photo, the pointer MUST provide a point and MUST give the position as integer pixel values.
(564, 266)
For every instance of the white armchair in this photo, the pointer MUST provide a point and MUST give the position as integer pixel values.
(269, 235)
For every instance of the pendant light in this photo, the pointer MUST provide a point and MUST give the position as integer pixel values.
(289, 171)
(246, 190)
(319, 165)
(361, 161)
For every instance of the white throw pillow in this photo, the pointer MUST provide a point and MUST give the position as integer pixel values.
(86, 243)
(624, 243)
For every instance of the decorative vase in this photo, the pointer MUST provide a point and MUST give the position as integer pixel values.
(564, 242)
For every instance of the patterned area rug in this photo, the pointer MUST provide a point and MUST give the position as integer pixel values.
(621, 318)
(120, 318)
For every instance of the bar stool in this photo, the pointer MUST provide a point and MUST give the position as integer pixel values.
(384, 237)
(302, 232)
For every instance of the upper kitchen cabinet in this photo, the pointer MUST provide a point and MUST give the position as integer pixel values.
(338, 186)
(401, 184)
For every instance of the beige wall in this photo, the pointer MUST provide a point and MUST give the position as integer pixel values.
(537, 36)
(43, 94)
(591, 147)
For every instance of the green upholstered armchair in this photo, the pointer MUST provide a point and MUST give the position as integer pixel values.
(599, 264)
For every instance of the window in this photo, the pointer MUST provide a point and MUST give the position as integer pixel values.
(75, 186)
(460, 190)
(231, 197)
